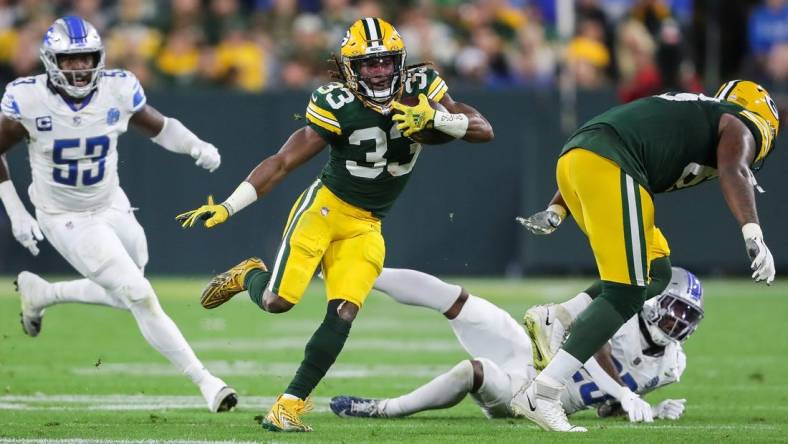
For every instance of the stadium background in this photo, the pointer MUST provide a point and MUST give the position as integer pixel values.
(239, 74)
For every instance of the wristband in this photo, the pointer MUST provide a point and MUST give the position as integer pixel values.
(558, 209)
(455, 125)
(242, 197)
(751, 231)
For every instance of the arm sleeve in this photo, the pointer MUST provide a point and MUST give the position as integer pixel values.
(604, 381)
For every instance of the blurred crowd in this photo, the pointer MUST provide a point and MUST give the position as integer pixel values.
(637, 46)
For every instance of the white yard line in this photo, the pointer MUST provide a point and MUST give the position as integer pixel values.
(133, 402)
(112, 441)
(298, 343)
(257, 368)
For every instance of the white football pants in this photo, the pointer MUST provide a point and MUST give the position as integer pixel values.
(108, 247)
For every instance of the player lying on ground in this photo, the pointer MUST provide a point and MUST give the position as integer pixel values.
(71, 118)
(502, 359)
(336, 221)
(548, 325)
(608, 173)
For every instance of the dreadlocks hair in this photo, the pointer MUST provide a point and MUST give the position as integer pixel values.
(336, 74)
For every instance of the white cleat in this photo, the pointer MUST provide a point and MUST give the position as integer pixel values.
(33, 291)
(539, 402)
(219, 396)
(546, 325)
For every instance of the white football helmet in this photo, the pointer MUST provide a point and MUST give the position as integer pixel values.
(675, 314)
(72, 35)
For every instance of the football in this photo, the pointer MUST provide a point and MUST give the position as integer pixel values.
(427, 136)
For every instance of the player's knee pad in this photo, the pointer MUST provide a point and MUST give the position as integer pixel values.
(627, 300)
(462, 374)
(135, 290)
(495, 391)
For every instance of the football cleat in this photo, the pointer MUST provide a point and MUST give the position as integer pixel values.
(285, 415)
(226, 285)
(353, 407)
(219, 396)
(539, 402)
(32, 289)
(547, 327)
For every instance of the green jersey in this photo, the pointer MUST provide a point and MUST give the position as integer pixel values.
(369, 159)
(665, 142)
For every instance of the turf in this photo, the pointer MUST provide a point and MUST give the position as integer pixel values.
(90, 375)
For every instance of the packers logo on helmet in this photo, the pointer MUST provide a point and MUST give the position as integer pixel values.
(372, 62)
(756, 100)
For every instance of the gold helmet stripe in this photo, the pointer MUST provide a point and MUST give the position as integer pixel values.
(726, 89)
(371, 29)
(378, 28)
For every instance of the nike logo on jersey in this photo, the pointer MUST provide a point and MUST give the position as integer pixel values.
(530, 404)
(547, 318)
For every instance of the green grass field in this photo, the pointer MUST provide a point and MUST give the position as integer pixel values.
(91, 376)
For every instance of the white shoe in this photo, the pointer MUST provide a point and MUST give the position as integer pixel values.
(546, 325)
(219, 396)
(33, 292)
(540, 403)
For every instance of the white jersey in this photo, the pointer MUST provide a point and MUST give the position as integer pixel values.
(641, 372)
(73, 152)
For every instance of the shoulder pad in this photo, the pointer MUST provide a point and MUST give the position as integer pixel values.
(326, 104)
(425, 80)
(126, 87)
(15, 92)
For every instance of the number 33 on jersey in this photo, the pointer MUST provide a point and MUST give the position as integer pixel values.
(369, 160)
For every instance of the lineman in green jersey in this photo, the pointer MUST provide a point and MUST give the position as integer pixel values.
(608, 172)
(335, 223)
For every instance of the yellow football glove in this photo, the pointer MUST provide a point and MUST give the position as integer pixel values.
(413, 118)
(211, 213)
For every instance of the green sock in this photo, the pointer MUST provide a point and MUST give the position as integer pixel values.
(255, 282)
(320, 353)
(659, 272)
(594, 290)
(600, 321)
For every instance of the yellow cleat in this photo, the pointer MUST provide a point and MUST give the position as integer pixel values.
(285, 415)
(546, 325)
(226, 285)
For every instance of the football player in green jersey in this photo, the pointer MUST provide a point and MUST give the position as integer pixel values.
(335, 223)
(607, 174)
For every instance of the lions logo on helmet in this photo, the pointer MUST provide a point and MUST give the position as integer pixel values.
(755, 100)
(675, 314)
(368, 42)
(72, 35)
